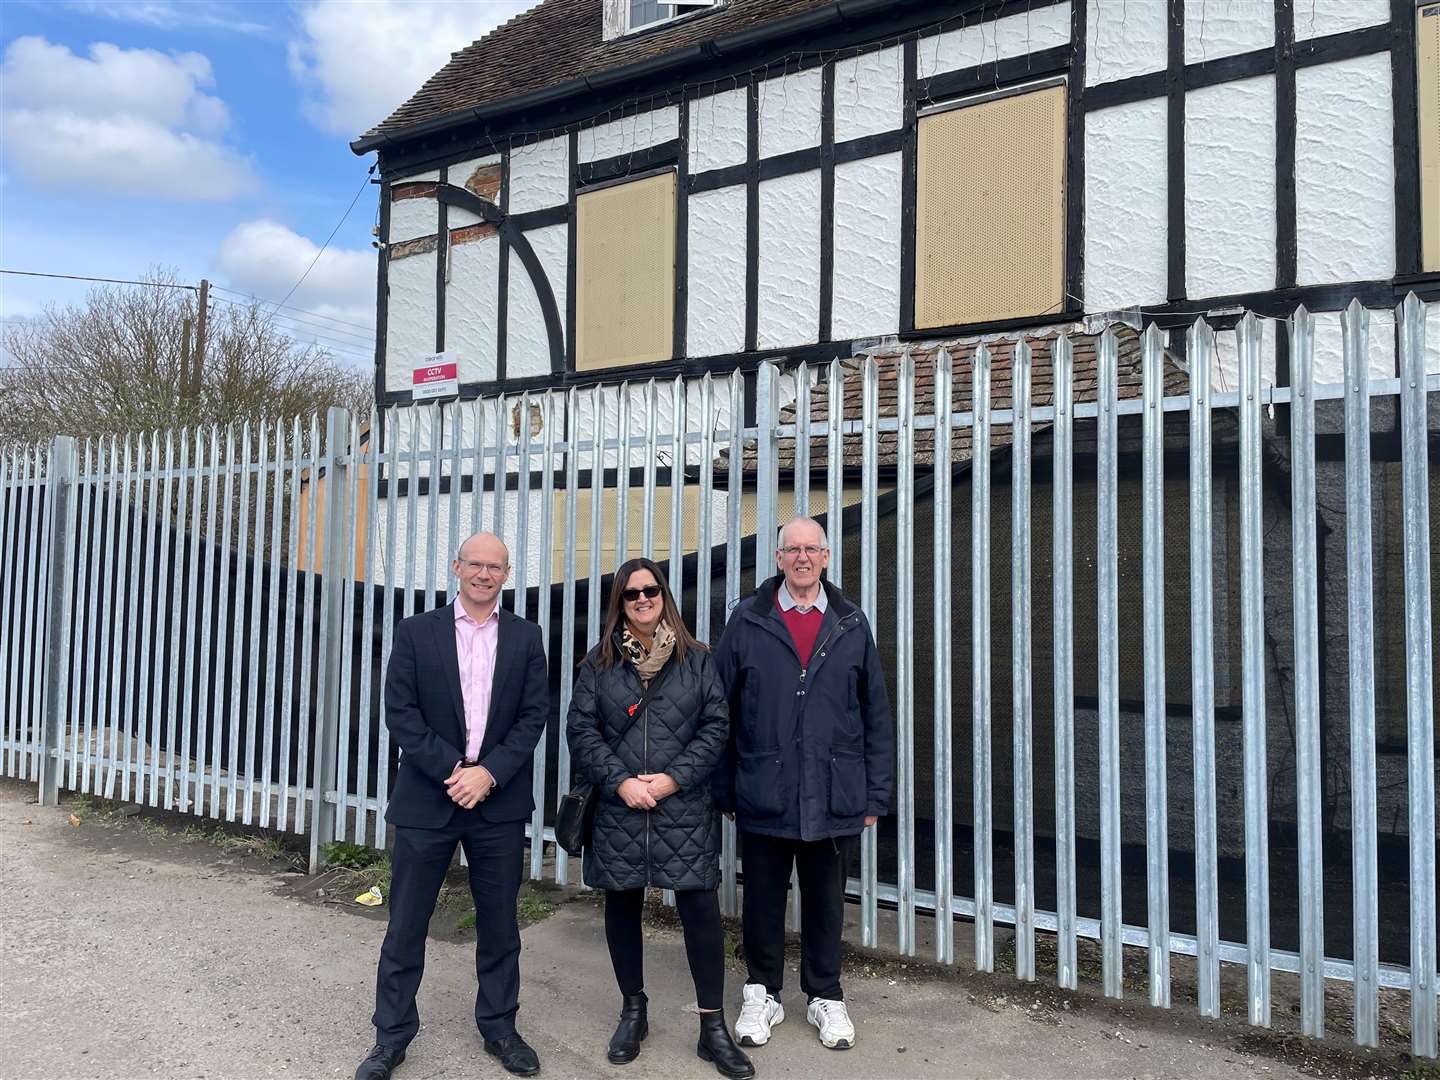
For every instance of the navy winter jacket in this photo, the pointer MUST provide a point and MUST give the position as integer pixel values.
(811, 750)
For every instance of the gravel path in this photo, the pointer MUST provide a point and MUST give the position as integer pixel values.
(130, 953)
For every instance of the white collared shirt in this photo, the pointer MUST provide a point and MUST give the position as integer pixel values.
(787, 601)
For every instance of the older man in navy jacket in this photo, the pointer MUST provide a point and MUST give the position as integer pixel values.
(466, 698)
(812, 753)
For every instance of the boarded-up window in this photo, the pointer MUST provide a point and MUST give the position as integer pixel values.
(1427, 67)
(990, 209)
(625, 273)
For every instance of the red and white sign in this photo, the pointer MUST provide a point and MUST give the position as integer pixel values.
(437, 376)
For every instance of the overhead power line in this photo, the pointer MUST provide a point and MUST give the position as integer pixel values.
(105, 280)
(367, 338)
(291, 307)
(363, 185)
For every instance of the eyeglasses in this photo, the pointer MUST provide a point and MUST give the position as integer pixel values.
(647, 591)
(794, 551)
(494, 569)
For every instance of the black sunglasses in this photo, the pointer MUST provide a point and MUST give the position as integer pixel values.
(647, 591)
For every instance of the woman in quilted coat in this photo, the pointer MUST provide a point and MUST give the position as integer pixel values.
(648, 722)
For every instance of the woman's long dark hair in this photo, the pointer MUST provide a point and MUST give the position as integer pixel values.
(605, 654)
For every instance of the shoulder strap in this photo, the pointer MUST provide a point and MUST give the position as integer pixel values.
(644, 702)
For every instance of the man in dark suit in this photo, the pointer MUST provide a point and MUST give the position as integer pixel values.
(466, 699)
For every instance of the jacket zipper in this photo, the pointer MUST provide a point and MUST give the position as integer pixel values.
(800, 727)
(645, 762)
(818, 649)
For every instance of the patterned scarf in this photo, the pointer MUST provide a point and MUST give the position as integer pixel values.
(648, 664)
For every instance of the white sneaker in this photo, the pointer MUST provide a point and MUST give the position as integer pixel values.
(758, 1014)
(833, 1020)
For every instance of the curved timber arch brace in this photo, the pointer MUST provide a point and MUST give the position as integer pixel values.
(491, 214)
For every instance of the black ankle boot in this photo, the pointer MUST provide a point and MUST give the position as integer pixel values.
(633, 1027)
(716, 1045)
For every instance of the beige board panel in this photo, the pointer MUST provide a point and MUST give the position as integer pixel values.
(625, 273)
(990, 210)
(1427, 69)
(690, 523)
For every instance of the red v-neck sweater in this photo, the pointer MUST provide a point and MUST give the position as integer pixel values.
(804, 628)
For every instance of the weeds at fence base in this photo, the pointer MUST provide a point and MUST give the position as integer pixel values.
(533, 906)
(159, 824)
(356, 868)
(352, 856)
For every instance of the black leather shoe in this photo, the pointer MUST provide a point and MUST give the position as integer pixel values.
(515, 1054)
(717, 1046)
(631, 1031)
(380, 1062)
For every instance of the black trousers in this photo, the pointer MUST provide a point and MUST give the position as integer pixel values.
(704, 941)
(821, 866)
(495, 853)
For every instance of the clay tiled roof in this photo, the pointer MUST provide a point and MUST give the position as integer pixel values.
(1042, 392)
(561, 40)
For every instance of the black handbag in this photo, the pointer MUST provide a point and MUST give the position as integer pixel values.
(575, 819)
(575, 816)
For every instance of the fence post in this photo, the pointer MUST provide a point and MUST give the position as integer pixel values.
(59, 485)
(335, 579)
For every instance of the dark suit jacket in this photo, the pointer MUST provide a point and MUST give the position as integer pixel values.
(425, 712)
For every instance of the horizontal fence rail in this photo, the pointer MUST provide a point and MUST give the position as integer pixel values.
(1150, 698)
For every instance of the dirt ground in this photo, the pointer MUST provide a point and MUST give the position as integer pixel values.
(137, 944)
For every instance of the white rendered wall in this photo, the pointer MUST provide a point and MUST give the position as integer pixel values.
(412, 218)
(1124, 38)
(471, 302)
(1126, 208)
(715, 320)
(1216, 28)
(993, 39)
(539, 175)
(1230, 188)
(869, 94)
(409, 318)
(718, 130)
(790, 112)
(609, 404)
(628, 134)
(430, 176)
(1225, 358)
(1344, 171)
(1319, 18)
(1329, 357)
(866, 299)
(527, 347)
(789, 293)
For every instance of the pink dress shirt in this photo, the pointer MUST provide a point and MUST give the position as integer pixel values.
(475, 646)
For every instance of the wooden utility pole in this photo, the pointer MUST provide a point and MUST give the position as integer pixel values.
(198, 353)
(185, 360)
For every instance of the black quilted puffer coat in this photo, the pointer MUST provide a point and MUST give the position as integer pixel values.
(682, 732)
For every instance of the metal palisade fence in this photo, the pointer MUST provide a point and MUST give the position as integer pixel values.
(1174, 693)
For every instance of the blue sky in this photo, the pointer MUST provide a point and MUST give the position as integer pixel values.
(209, 138)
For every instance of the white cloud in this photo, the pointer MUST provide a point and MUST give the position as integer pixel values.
(264, 258)
(359, 61)
(167, 15)
(133, 121)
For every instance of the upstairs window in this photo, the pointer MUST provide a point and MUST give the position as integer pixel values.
(990, 208)
(623, 16)
(625, 272)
